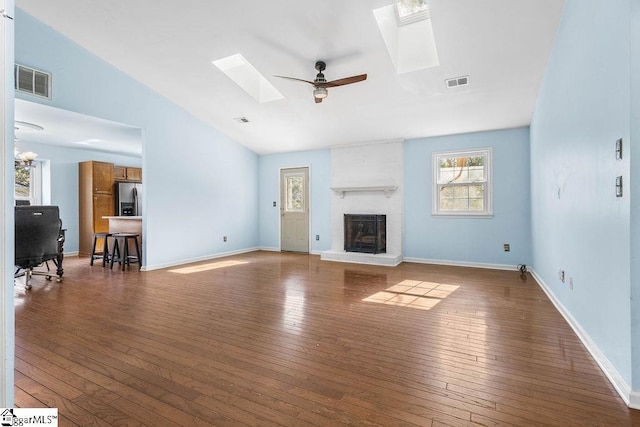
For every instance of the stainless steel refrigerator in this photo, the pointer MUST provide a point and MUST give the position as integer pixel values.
(129, 199)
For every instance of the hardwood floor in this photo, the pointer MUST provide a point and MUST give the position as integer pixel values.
(286, 339)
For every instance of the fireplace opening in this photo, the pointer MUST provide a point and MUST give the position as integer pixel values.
(365, 233)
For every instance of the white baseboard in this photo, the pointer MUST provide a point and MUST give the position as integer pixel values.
(76, 253)
(461, 263)
(197, 259)
(632, 399)
(270, 249)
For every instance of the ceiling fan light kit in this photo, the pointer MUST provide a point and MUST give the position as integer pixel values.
(320, 84)
(320, 92)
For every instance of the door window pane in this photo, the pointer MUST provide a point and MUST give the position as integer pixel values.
(294, 192)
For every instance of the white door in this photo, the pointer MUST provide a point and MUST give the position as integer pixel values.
(294, 210)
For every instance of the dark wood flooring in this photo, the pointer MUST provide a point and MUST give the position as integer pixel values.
(286, 339)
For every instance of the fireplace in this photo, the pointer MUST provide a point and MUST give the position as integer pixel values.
(365, 233)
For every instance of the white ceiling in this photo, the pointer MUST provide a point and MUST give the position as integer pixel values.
(503, 45)
(69, 129)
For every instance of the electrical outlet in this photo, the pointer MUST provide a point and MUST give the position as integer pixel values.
(562, 276)
(619, 186)
(317, 237)
(274, 204)
(224, 238)
(507, 247)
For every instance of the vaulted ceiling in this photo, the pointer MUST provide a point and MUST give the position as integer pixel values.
(502, 45)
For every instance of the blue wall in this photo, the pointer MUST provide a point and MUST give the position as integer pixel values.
(63, 165)
(319, 163)
(578, 223)
(473, 241)
(635, 194)
(200, 185)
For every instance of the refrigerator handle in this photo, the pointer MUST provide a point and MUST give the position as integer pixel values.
(135, 201)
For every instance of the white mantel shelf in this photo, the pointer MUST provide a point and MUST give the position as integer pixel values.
(387, 189)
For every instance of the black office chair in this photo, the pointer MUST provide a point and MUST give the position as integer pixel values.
(37, 240)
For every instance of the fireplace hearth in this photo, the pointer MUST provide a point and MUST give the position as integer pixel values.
(365, 233)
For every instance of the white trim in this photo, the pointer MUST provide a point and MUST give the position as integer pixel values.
(309, 206)
(272, 249)
(487, 152)
(461, 263)
(621, 386)
(634, 400)
(35, 183)
(387, 189)
(197, 259)
(7, 102)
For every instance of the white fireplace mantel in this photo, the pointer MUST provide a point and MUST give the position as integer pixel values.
(387, 189)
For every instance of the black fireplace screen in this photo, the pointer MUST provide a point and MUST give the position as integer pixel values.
(365, 233)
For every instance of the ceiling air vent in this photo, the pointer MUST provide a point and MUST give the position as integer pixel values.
(32, 81)
(458, 81)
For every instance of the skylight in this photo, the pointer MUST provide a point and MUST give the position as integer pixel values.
(245, 75)
(410, 11)
(408, 35)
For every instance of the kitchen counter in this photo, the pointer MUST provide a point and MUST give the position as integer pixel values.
(125, 218)
(126, 224)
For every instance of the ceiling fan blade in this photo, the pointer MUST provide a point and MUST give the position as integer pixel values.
(346, 81)
(293, 78)
(318, 100)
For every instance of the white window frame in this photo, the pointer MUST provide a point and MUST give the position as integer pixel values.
(487, 153)
(35, 185)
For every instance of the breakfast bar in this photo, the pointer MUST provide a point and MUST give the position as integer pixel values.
(126, 224)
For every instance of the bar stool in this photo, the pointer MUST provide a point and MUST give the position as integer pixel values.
(105, 248)
(120, 250)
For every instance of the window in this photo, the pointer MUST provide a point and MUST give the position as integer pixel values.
(27, 185)
(462, 183)
(294, 192)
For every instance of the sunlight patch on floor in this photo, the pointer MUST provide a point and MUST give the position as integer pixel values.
(413, 294)
(207, 267)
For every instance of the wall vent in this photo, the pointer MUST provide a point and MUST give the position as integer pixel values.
(458, 81)
(31, 81)
(241, 120)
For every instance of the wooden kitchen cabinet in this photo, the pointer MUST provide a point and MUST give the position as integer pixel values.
(103, 205)
(96, 199)
(127, 174)
(102, 177)
(134, 174)
(120, 173)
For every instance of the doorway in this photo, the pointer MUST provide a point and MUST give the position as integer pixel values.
(294, 210)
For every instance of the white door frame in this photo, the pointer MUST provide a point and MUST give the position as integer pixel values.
(7, 318)
(280, 201)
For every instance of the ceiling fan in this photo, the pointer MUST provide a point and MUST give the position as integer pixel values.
(320, 84)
